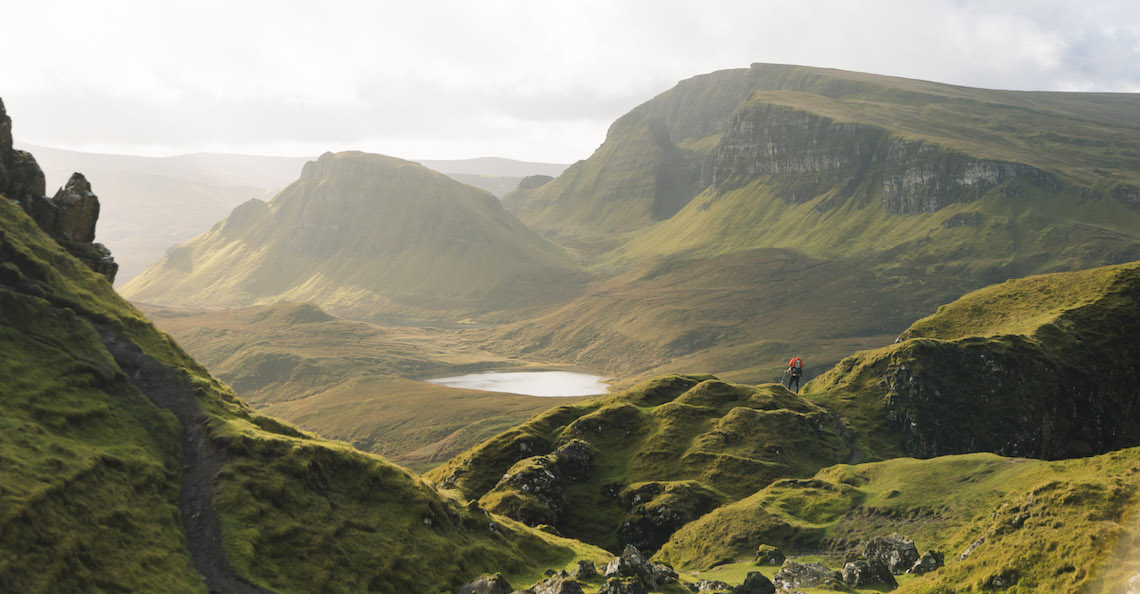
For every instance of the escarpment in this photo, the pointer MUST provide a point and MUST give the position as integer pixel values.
(808, 155)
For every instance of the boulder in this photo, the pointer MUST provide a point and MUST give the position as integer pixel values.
(487, 584)
(585, 570)
(769, 555)
(712, 586)
(755, 583)
(622, 586)
(631, 564)
(897, 552)
(558, 585)
(807, 575)
(929, 561)
(868, 572)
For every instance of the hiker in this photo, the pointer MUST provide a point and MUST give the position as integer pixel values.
(795, 371)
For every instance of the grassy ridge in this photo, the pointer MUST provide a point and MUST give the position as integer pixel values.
(1041, 367)
(1057, 526)
(90, 496)
(680, 441)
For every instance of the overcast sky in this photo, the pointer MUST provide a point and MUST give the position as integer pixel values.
(526, 79)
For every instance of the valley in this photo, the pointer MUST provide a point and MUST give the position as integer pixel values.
(960, 269)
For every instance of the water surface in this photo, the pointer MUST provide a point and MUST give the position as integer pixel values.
(532, 383)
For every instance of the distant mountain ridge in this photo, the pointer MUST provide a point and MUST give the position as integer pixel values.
(366, 236)
(152, 203)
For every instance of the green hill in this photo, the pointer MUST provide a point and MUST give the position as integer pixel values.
(1043, 366)
(127, 467)
(633, 467)
(1065, 526)
(366, 237)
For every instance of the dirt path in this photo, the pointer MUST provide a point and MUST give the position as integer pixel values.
(200, 462)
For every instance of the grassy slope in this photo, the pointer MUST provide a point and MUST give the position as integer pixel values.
(730, 439)
(667, 310)
(739, 315)
(1046, 359)
(90, 486)
(356, 235)
(342, 379)
(1062, 526)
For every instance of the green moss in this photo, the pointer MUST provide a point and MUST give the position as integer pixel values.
(1059, 525)
(723, 441)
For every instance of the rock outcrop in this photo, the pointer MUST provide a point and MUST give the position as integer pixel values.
(632, 566)
(930, 561)
(69, 216)
(491, 583)
(811, 154)
(862, 573)
(755, 583)
(808, 575)
(655, 510)
(896, 552)
(558, 584)
(532, 490)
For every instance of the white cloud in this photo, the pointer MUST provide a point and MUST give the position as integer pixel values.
(525, 78)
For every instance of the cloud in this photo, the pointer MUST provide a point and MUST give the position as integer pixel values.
(461, 77)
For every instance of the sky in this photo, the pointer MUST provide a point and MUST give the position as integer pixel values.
(524, 79)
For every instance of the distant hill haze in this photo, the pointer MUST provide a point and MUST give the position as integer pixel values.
(152, 203)
(366, 236)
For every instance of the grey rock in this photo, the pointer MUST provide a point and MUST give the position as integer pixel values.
(868, 572)
(558, 585)
(755, 583)
(897, 552)
(585, 570)
(622, 586)
(930, 561)
(712, 586)
(77, 211)
(575, 460)
(487, 584)
(807, 575)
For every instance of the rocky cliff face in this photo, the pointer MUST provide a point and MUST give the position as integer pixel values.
(1064, 387)
(69, 216)
(809, 155)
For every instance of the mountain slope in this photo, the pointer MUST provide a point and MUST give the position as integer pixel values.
(365, 236)
(130, 468)
(902, 194)
(1043, 366)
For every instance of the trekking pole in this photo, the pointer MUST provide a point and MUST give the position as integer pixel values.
(786, 381)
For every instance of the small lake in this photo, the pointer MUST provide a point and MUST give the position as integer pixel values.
(531, 383)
